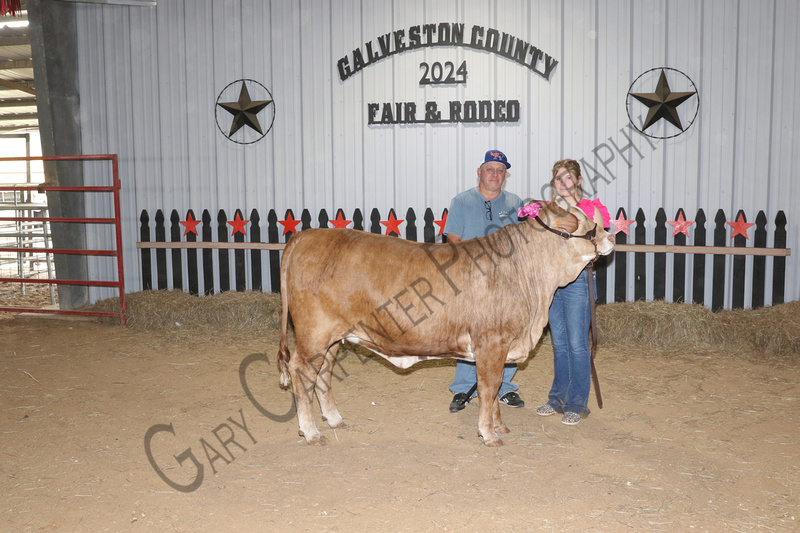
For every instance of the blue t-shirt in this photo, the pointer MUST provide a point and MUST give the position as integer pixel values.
(471, 215)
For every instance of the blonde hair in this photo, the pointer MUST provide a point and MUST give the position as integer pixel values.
(573, 167)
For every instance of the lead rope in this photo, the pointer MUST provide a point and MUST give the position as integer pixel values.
(593, 329)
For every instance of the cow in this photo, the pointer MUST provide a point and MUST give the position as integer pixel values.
(484, 300)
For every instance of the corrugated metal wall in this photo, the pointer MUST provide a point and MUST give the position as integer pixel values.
(150, 78)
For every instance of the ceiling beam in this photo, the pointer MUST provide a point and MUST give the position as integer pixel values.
(117, 2)
(23, 127)
(17, 117)
(15, 86)
(18, 102)
(13, 64)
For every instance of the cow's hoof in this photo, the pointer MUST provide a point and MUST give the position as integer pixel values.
(314, 438)
(502, 429)
(493, 442)
(334, 422)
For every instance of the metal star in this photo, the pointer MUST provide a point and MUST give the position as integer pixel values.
(621, 224)
(663, 103)
(392, 224)
(244, 111)
(740, 227)
(681, 225)
(190, 224)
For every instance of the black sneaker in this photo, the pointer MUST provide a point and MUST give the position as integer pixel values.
(460, 401)
(512, 399)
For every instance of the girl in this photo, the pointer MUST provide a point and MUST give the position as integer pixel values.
(569, 312)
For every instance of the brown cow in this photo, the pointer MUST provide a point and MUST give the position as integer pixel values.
(484, 300)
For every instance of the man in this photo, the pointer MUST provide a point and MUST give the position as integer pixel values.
(478, 212)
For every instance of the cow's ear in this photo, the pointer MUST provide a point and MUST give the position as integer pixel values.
(558, 218)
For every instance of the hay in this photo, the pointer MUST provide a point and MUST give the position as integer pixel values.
(767, 332)
(658, 324)
(770, 332)
(160, 310)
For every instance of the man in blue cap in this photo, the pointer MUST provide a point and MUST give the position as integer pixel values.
(478, 212)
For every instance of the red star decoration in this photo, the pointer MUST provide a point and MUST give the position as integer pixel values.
(238, 225)
(740, 227)
(441, 223)
(392, 224)
(621, 224)
(340, 222)
(190, 224)
(681, 225)
(290, 224)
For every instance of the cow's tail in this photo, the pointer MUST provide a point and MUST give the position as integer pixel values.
(283, 347)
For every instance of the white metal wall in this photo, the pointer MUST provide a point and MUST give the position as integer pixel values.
(150, 76)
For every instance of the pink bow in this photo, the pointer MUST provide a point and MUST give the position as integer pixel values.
(530, 210)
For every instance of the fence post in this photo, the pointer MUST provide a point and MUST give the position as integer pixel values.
(238, 257)
(779, 263)
(640, 260)
(739, 265)
(161, 255)
(759, 261)
(428, 231)
(718, 269)
(208, 257)
(256, 276)
(274, 255)
(621, 264)
(660, 259)
(224, 265)
(358, 220)
(305, 218)
(411, 225)
(191, 258)
(177, 264)
(144, 235)
(679, 264)
(699, 261)
(323, 219)
(375, 222)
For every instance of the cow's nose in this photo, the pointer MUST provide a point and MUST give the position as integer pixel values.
(611, 238)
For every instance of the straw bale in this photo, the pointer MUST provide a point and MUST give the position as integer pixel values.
(159, 310)
(656, 324)
(768, 332)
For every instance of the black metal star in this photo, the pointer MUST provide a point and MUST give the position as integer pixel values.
(663, 103)
(244, 111)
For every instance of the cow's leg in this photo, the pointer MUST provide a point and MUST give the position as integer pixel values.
(304, 377)
(490, 376)
(327, 403)
(498, 425)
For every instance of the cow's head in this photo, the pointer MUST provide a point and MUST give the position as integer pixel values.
(589, 239)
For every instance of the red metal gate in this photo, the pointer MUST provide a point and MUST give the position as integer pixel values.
(113, 189)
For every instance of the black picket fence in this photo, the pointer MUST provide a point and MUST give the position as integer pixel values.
(205, 266)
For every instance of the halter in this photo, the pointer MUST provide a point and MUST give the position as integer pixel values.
(589, 235)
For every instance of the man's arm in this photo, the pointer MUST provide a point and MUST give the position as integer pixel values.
(453, 238)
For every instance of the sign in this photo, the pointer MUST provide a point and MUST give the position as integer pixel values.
(445, 35)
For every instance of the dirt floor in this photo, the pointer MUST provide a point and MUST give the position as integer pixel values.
(106, 428)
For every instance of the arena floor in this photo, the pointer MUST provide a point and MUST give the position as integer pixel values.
(106, 428)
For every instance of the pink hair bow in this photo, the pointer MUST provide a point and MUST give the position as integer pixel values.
(530, 210)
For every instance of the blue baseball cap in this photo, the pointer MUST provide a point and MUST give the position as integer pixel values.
(496, 155)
